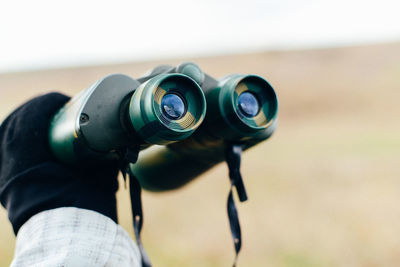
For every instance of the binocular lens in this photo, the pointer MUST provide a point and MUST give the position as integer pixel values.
(248, 104)
(173, 106)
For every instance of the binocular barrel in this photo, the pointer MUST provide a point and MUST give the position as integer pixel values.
(241, 109)
(119, 112)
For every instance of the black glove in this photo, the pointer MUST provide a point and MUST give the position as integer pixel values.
(32, 180)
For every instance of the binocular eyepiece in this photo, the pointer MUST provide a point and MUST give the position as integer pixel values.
(118, 111)
(167, 108)
(246, 107)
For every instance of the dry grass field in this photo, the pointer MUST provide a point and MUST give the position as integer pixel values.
(323, 191)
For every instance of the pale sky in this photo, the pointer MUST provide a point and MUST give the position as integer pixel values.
(49, 33)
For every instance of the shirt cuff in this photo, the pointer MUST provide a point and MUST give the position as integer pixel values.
(72, 236)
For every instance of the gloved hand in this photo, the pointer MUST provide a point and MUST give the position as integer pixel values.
(31, 178)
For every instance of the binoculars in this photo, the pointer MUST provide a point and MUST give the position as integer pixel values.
(193, 121)
(185, 113)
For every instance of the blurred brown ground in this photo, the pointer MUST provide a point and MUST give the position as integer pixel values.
(324, 191)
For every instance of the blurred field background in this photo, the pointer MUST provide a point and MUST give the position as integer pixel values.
(324, 190)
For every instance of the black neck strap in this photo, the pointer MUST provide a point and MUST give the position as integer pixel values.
(135, 192)
(233, 155)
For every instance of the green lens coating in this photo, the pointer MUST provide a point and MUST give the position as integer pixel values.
(173, 106)
(248, 104)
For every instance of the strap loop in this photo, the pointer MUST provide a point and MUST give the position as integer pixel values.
(135, 192)
(233, 157)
